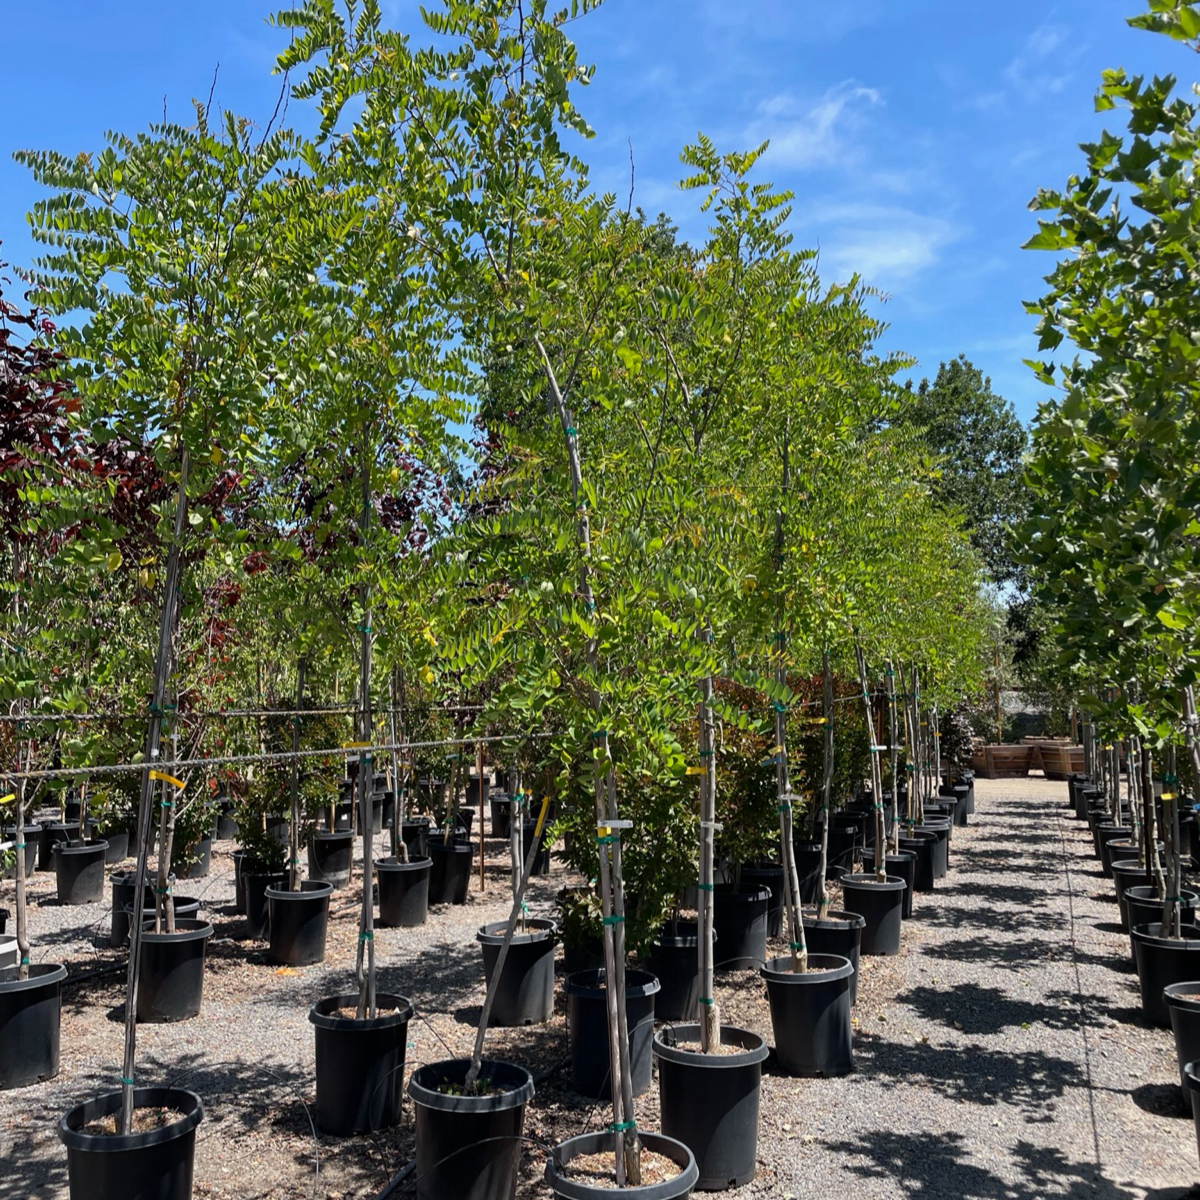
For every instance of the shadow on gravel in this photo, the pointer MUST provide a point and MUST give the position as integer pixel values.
(1029, 1079)
(995, 920)
(1162, 1100)
(985, 1010)
(1017, 954)
(938, 1167)
(999, 893)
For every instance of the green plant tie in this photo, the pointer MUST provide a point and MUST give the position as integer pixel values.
(367, 935)
(706, 1000)
(706, 753)
(798, 945)
(615, 919)
(20, 845)
(167, 804)
(25, 961)
(571, 431)
(785, 808)
(705, 887)
(779, 708)
(1169, 778)
(126, 1082)
(622, 1126)
(1177, 899)
(600, 733)
(164, 891)
(365, 629)
(607, 839)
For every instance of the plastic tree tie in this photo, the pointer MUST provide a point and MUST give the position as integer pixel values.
(608, 839)
(164, 891)
(167, 804)
(25, 961)
(785, 808)
(599, 733)
(706, 753)
(1177, 899)
(1169, 778)
(706, 1000)
(622, 1126)
(615, 919)
(797, 945)
(366, 629)
(571, 431)
(126, 1082)
(367, 935)
(705, 887)
(20, 845)
(779, 708)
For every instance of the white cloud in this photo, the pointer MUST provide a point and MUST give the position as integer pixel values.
(1038, 67)
(818, 134)
(886, 245)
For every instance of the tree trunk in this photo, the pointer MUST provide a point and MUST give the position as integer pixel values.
(365, 971)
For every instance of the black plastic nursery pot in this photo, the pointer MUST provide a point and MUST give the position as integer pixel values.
(810, 1014)
(1107, 831)
(843, 844)
(185, 906)
(740, 919)
(227, 826)
(1127, 873)
(377, 802)
(808, 869)
(171, 986)
(880, 903)
(541, 865)
(755, 877)
(1191, 1078)
(501, 811)
(196, 860)
(30, 1012)
(122, 905)
(450, 873)
(469, 1147)
(33, 844)
(587, 1026)
(1113, 850)
(79, 871)
(839, 933)
(1183, 1008)
(1143, 907)
(254, 900)
(962, 808)
(923, 844)
(903, 866)
(118, 846)
(297, 923)
(330, 857)
(672, 960)
(566, 1186)
(54, 832)
(155, 1165)
(1162, 961)
(239, 899)
(941, 852)
(403, 891)
(709, 1102)
(464, 819)
(525, 993)
(415, 835)
(360, 1064)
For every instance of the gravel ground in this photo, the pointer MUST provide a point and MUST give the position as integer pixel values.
(1000, 1056)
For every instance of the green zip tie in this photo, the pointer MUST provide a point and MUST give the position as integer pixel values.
(25, 961)
(1168, 778)
(164, 891)
(706, 753)
(785, 808)
(706, 1000)
(1177, 899)
(366, 629)
(779, 708)
(608, 839)
(622, 1126)
(798, 946)
(571, 431)
(126, 1082)
(599, 733)
(613, 920)
(167, 804)
(367, 935)
(20, 845)
(705, 887)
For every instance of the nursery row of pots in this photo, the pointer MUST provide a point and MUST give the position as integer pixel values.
(1168, 968)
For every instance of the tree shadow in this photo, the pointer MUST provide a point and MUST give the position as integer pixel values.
(983, 1010)
(938, 1167)
(1029, 1079)
(1015, 954)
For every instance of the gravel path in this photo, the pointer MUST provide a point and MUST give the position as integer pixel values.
(1001, 1055)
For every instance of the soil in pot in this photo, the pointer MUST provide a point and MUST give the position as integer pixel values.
(403, 891)
(330, 858)
(672, 960)
(360, 1064)
(297, 923)
(30, 1012)
(525, 994)
(880, 903)
(587, 1026)
(839, 933)
(79, 871)
(156, 1164)
(710, 1102)
(450, 873)
(1162, 961)
(468, 1147)
(171, 987)
(740, 919)
(810, 1014)
(583, 1168)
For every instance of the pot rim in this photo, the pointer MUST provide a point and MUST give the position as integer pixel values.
(518, 1092)
(750, 1055)
(40, 975)
(576, 985)
(839, 967)
(310, 889)
(392, 863)
(1190, 1002)
(402, 1013)
(668, 1189)
(79, 847)
(1142, 934)
(836, 918)
(194, 930)
(110, 1103)
(542, 930)
(872, 883)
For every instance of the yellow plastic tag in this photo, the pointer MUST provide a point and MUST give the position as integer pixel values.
(6, 799)
(356, 745)
(167, 778)
(694, 771)
(1168, 795)
(537, 833)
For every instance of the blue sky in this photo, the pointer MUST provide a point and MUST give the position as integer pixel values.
(913, 132)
